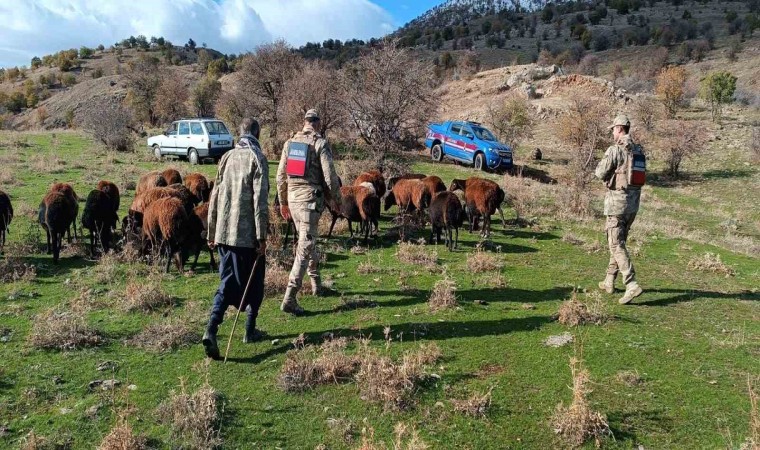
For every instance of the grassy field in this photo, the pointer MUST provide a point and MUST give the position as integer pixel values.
(691, 341)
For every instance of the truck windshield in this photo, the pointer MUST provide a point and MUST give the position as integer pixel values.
(483, 134)
(216, 128)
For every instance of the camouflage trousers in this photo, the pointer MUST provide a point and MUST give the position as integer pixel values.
(617, 228)
(306, 259)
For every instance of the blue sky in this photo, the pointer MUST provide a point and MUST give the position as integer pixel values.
(39, 27)
(405, 10)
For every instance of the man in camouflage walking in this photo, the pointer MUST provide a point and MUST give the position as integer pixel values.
(238, 219)
(306, 180)
(621, 204)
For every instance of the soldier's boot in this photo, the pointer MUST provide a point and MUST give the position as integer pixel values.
(209, 340)
(251, 333)
(290, 304)
(608, 285)
(632, 290)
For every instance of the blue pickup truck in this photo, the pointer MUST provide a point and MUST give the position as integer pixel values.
(469, 143)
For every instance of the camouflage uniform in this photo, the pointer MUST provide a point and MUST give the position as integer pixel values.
(306, 197)
(620, 206)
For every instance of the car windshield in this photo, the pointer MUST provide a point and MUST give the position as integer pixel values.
(483, 134)
(216, 128)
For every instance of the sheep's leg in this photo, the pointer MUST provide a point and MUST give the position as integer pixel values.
(169, 252)
(49, 248)
(366, 230)
(503, 222)
(56, 248)
(179, 260)
(456, 241)
(195, 260)
(332, 225)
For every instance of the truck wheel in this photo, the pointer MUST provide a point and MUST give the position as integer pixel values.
(480, 162)
(437, 153)
(192, 156)
(157, 152)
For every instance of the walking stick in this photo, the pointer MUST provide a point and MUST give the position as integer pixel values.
(242, 300)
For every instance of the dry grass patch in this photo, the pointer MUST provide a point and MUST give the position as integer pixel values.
(13, 268)
(443, 295)
(578, 423)
(355, 302)
(474, 406)
(8, 177)
(416, 254)
(122, 437)
(711, 262)
(753, 440)
(146, 295)
(167, 335)
(481, 261)
(194, 418)
(309, 366)
(393, 384)
(47, 164)
(574, 312)
(405, 438)
(63, 330)
(106, 269)
(275, 280)
(629, 377)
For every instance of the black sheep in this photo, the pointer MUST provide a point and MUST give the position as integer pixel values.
(56, 216)
(99, 217)
(446, 213)
(6, 215)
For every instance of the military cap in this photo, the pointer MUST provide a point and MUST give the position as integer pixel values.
(312, 114)
(622, 120)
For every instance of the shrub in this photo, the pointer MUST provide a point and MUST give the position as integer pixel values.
(122, 437)
(680, 140)
(443, 295)
(41, 115)
(578, 423)
(170, 99)
(481, 261)
(309, 366)
(670, 88)
(475, 406)
(574, 312)
(110, 124)
(63, 330)
(146, 295)
(754, 143)
(589, 65)
(168, 335)
(717, 89)
(194, 417)
(647, 111)
(711, 262)
(97, 73)
(204, 96)
(416, 254)
(512, 120)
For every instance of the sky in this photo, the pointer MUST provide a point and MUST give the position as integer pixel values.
(39, 27)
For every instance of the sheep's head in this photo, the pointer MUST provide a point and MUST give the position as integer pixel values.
(457, 184)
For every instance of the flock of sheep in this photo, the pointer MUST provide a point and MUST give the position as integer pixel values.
(169, 214)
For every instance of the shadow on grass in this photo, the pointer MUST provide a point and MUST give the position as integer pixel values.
(683, 295)
(627, 425)
(428, 331)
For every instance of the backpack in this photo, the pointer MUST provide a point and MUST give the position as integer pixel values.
(632, 173)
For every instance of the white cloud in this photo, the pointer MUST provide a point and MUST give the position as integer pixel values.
(39, 27)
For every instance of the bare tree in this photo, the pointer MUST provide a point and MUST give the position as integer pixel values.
(171, 98)
(388, 96)
(511, 119)
(583, 131)
(110, 124)
(314, 86)
(264, 78)
(679, 140)
(143, 81)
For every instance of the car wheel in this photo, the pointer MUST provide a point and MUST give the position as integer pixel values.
(157, 152)
(480, 162)
(192, 156)
(436, 153)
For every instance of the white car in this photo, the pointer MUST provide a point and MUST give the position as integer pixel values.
(194, 139)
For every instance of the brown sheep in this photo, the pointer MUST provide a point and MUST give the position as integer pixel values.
(201, 213)
(150, 180)
(67, 190)
(113, 192)
(408, 194)
(6, 215)
(482, 198)
(133, 221)
(375, 178)
(99, 217)
(56, 215)
(169, 229)
(409, 176)
(358, 204)
(171, 176)
(199, 186)
(446, 214)
(434, 185)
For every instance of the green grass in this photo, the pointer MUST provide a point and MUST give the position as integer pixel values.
(693, 337)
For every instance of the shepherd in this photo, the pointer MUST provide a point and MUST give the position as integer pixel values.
(238, 218)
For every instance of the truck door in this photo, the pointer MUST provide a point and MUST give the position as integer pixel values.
(454, 145)
(468, 141)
